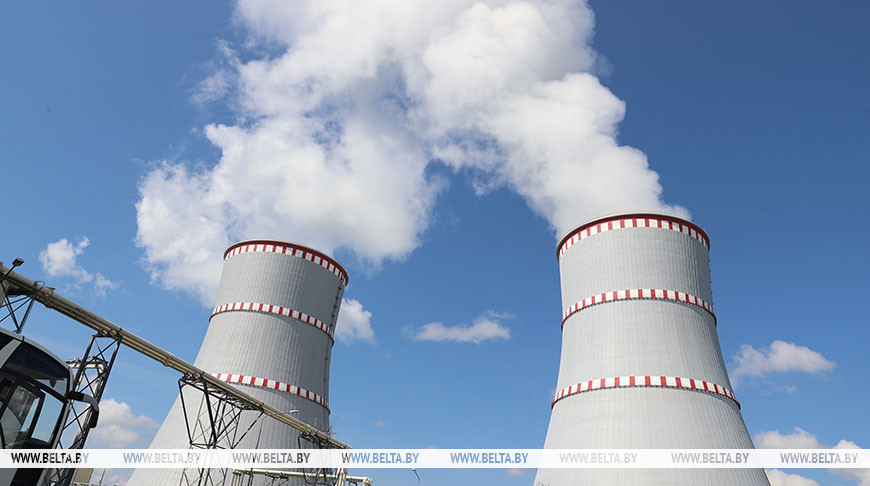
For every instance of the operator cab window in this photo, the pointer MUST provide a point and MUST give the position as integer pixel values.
(33, 387)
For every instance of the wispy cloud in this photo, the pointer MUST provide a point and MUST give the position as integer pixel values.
(779, 357)
(484, 328)
(354, 323)
(222, 80)
(59, 259)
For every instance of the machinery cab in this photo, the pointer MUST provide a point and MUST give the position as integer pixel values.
(34, 384)
(34, 400)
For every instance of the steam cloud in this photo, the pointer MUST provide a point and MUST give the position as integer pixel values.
(338, 124)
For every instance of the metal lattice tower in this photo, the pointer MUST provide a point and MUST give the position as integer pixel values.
(641, 366)
(90, 377)
(271, 333)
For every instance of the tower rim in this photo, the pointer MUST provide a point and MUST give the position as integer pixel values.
(269, 241)
(617, 216)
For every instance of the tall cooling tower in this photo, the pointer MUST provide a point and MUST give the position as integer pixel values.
(641, 364)
(271, 333)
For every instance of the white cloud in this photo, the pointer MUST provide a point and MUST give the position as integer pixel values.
(798, 439)
(801, 439)
(114, 412)
(354, 323)
(780, 478)
(114, 436)
(338, 129)
(59, 260)
(780, 356)
(486, 327)
(119, 427)
(860, 476)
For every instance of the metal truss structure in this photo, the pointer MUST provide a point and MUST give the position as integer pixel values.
(212, 423)
(319, 477)
(245, 477)
(14, 298)
(91, 376)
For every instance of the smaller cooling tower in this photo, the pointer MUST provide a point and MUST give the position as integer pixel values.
(271, 333)
(641, 364)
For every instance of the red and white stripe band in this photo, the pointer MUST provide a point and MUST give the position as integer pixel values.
(651, 381)
(633, 294)
(272, 385)
(634, 221)
(289, 249)
(275, 309)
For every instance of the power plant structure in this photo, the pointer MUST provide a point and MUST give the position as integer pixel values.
(641, 365)
(271, 333)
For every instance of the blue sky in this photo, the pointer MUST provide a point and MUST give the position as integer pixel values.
(754, 115)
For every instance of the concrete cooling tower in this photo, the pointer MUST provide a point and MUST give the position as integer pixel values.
(271, 333)
(641, 364)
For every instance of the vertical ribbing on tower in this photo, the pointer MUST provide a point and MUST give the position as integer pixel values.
(641, 365)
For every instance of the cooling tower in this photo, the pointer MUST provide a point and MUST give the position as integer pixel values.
(271, 333)
(641, 366)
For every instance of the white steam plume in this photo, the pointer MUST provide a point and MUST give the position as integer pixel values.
(338, 126)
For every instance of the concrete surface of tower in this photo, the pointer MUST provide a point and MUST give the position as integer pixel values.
(641, 366)
(272, 332)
